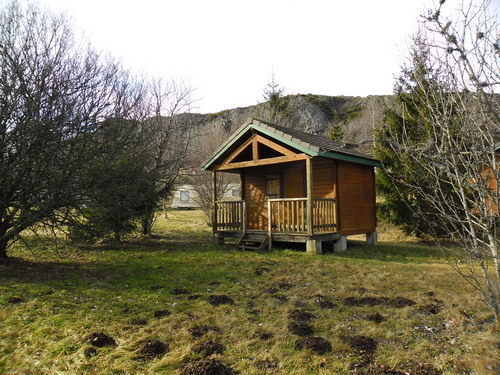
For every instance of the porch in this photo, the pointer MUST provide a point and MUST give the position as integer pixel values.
(310, 221)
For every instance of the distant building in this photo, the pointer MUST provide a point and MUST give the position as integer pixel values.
(185, 196)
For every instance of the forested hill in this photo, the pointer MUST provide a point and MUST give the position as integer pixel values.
(315, 114)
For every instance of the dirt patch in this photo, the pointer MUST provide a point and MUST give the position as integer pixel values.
(208, 348)
(179, 291)
(100, 340)
(316, 344)
(220, 299)
(255, 312)
(198, 331)
(90, 351)
(265, 336)
(161, 313)
(325, 304)
(266, 364)
(425, 369)
(280, 297)
(361, 344)
(286, 285)
(151, 349)
(15, 300)
(214, 283)
(300, 329)
(261, 270)
(430, 309)
(398, 302)
(302, 316)
(205, 367)
(377, 318)
(138, 322)
(272, 290)
(194, 296)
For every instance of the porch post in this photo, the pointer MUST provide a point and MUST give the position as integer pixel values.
(214, 206)
(309, 203)
(269, 226)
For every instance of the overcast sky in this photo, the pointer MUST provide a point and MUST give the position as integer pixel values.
(228, 49)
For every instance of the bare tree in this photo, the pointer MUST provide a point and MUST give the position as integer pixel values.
(451, 145)
(54, 92)
(204, 146)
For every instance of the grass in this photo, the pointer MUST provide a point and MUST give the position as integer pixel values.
(65, 295)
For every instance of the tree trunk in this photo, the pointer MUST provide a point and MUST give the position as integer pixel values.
(147, 221)
(3, 250)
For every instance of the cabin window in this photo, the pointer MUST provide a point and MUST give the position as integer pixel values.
(184, 196)
(273, 186)
(235, 192)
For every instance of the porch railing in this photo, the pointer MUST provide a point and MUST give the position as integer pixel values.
(287, 215)
(230, 215)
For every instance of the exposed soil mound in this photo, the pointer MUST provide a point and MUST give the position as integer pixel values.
(255, 312)
(162, 313)
(286, 285)
(100, 340)
(90, 351)
(280, 297)
(138, 322)
(398, 302)
(15, 300)
(316, 344)
(361, 344)
(208, 348)
(266, 364)
(323, 303)
(178, 291)
(151, 349)
(206, 367)
(425, 369)
(302, 316)
(300, 329)
(260, 270)
(194, 296)
(265, 336)
(431, 309)
(377, 318)
(198, 331)
(220, 299)
(272, 290)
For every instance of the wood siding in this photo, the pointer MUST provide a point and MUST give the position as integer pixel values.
(323, 178)
(255, 195)
(356, 198)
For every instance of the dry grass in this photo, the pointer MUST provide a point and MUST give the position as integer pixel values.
(64, 299)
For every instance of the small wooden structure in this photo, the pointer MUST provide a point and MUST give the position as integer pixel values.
(296, 187)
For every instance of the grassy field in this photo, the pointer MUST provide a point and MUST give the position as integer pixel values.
(177, 304)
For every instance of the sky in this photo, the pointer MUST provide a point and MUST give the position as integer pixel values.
(228, 49)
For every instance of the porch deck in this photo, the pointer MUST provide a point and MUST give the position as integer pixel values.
(288, 220)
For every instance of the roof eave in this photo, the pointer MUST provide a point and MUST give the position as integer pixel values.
(350, 158)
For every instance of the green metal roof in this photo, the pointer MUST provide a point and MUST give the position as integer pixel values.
(310, 144)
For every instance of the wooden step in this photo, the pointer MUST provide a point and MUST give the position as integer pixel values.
(253, 244)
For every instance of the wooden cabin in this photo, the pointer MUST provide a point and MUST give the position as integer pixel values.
(296, 187)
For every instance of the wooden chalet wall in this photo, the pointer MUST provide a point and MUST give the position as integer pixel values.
(356, 198)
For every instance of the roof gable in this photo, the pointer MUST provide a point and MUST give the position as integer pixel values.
(309, 144)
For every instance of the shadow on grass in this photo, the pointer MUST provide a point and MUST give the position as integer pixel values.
(396, 252)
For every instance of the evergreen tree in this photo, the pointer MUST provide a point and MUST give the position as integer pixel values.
(407, 120)
(337, 133)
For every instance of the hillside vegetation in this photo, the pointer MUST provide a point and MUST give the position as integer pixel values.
(311, 113)
(176, 303)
